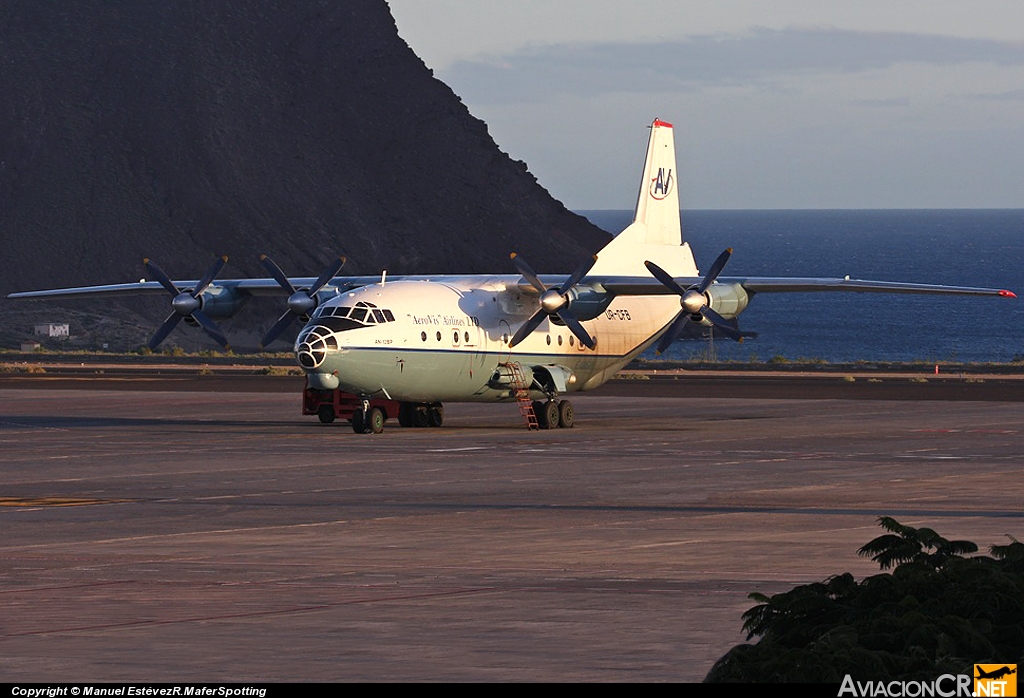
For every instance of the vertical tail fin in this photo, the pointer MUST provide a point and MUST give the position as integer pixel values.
(657, 206)
(655, 233)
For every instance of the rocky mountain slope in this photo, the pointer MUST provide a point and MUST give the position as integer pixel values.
(302, 129)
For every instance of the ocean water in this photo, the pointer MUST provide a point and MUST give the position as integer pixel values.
(958, 247)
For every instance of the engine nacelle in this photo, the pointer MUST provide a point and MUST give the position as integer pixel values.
(502, 377)
(587, 303)
(221, 302)
(728, 300)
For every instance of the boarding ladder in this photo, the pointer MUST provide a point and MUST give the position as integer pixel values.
(522, 393)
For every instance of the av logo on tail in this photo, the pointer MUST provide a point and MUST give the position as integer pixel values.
(661, 186)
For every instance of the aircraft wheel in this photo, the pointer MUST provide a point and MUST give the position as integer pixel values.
(358, 423)
(550, 410)
(566, 418)
(326, 414)
(374, 421)
(540, 413)
(435, 414)
(419, 415)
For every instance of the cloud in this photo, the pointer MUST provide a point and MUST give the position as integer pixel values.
(1008, 96)
(757, 57)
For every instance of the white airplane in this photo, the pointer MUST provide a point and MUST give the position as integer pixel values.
(377, 348)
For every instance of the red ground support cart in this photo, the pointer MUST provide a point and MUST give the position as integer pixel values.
(329, 405)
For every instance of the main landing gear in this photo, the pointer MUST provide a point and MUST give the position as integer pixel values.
(421, 414)
(554, 414)
(370, 420)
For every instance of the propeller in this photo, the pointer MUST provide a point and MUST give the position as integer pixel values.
(693, 301)
(301, 302)
(553, 302)
(187, 304)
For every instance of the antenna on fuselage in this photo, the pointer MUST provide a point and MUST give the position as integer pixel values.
(383, 276)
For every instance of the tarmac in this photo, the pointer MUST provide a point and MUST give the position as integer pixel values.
(175, 534)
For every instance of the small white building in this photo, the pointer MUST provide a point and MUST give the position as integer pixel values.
(53, 330)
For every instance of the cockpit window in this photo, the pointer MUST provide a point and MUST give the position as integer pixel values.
(363, 313)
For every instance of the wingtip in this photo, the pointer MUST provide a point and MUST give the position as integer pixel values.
(1007, 294)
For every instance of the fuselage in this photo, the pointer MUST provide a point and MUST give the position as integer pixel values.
(448, 340)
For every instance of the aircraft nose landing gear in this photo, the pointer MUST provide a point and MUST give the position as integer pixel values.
(369, 421)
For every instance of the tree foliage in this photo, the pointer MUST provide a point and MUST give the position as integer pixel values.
(937, 612)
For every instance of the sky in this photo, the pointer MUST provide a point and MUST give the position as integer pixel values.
(780, 104)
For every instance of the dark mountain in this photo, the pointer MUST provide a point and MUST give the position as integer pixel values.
(302, 129)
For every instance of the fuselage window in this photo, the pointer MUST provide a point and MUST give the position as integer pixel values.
(332, 342)
(571, 343)
(549, 340)
(379, 315)
(439, 335)
(423, 336)
(559, 340)
(358, 314)
(388, 316)
(455, 337)
(467, 337)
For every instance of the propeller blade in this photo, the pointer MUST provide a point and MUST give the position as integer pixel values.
(722, 324)
(211, 273)
(280, 326)
(165, 329)
(689, 301)
(329, 273)
(554, 302)
(278, 275)
(523, 268)
(665, 278)
(673, 332)
(578, 275)
(577, 329)
(300, 302)
(716, 269)
(528, 327)
(211, 329)
(164, 280)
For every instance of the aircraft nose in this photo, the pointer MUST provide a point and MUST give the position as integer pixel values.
(313, 345)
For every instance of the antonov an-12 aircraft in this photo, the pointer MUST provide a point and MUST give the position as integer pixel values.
(403, 346)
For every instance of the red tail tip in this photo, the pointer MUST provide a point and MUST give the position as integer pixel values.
(659, 122)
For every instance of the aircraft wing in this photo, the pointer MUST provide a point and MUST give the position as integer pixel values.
(801, 285)
(252, 287)
(640, 286)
